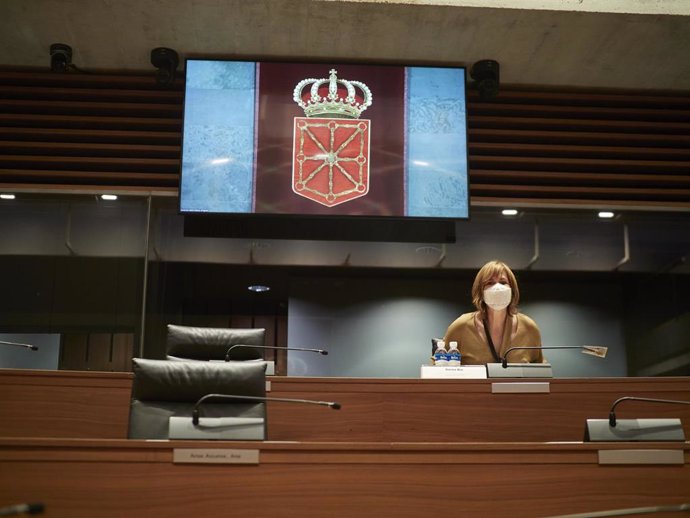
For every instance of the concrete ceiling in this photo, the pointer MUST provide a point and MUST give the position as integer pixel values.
(641, 44)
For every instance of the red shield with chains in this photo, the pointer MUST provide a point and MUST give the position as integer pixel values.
(330, 159)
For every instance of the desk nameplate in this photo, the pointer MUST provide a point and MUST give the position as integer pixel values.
(214, 456)
(520, 387)
(453, 372)
(641, 457)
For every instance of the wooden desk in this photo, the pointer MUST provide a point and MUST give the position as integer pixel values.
(414, 410)
(117, 478)
(43, 403)
(96, 405)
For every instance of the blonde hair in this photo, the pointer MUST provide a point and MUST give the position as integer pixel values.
(486, 272)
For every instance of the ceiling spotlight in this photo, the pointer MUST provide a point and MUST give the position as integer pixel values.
(509, 212)
(605, 214)
(166, 61)
(258, 288)
(109, 197)
(60, 57)
(7, 196)
(486, 76)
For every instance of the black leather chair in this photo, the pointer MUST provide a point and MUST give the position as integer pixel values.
(162, 389)
(212, 343)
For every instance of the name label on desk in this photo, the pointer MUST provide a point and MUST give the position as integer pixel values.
(641, 457)
(453, 372)
(521, 387)
(214, 456)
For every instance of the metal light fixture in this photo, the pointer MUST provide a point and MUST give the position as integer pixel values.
(486, 75)
(166, 61)
(60, 57)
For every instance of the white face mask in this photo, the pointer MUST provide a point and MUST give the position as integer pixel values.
(498, 296)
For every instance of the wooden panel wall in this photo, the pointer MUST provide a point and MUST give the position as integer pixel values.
(97, 352)
(89, 131)
(527, 146)
(581, 147)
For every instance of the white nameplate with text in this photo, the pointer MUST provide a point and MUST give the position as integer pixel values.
(214, 456)
(453, 372)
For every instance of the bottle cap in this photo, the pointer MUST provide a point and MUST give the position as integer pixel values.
(454, 344)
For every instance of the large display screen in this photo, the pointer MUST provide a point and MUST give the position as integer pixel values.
(326, 139)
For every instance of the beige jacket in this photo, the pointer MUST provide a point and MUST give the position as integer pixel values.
(468, 331)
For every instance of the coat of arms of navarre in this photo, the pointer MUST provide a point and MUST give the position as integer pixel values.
(330, 163)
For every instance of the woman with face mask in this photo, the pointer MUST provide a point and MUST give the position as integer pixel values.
(485, 335)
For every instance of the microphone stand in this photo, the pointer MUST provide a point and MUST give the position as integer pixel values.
(13, 510)
(26, 346)
(227, 353)
(628, 511)
(612, 414)
(242, 427)
(647, 429)
(195, 412)
(590, 349)
(535, 370)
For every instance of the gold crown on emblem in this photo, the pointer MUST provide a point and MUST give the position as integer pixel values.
(334, 104)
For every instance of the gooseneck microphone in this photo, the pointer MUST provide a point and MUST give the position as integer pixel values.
(13, 510)
(227, 353)
(656, 509)
(27, 346)
(195, 412)
(612, 413)
(587, 349)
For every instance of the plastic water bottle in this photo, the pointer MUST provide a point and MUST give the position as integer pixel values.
(454, 357)
(440, 354)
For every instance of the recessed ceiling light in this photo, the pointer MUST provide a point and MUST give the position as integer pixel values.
(109, 197)
(7, 196)
(258, 288)
(605, 214)
(509, 212)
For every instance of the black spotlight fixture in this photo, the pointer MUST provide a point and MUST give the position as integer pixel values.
(166, 61)
(60, 57)
(487, 78)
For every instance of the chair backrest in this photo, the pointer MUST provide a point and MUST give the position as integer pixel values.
(212, 343)
(162, 389)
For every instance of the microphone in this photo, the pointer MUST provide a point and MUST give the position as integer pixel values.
(612, 413)
(27, 346)
(227, 354)
(654, 429)
(594, 350)
(628, 511)
(22, 509)
(196, 411)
